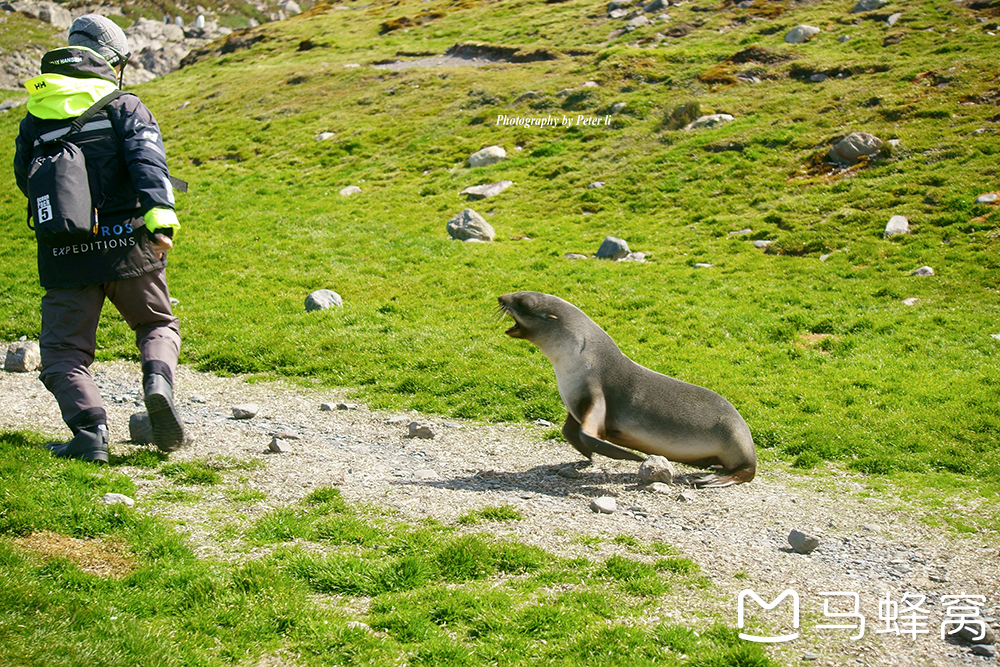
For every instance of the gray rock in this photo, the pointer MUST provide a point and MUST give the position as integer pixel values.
(358, 625)
(995, 336)
(470, 225)
(844, 38)
(923, 271)
(545, 423)
(565, 92)
(327, 407)
(636, 23)
(487, 156)
(197, 398)
(574, 255)
(686, 496)
(596, 185)
(855, 145)
(912, 301)
(139, 429)
(323, 299)
(604, 505)
(245, 411)
(421, 430)
(658, 487)
(325, 136)
(117, 499)
(655, 6)
(613, 248)
(350, 190)
(988, 198)
(286, 435)
(710, 120)
(803, 543)
(656, 469)
(741, 232)
(869, 527)
(528, 95)
(347, 406)
(634, 257)
(800, 34)
(702, 265)
(986, 650)
(569, 472)
(23, 356)
(976, 634)
(425, 474)
(618, 13)
(618, 107)
(893, 18)
(278, 446)
(809, 656)
(590, 84)
(618, 4)
(762, 243)
(398, 419)
(476, 192)
(818, 77)
(290, 7)
(869, 6)
(898, 224)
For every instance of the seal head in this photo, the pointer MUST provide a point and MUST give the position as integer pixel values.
(616, 406)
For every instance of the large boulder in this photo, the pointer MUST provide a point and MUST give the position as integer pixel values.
(800, 34)
(854, 146)
(487, 156)
(23, 356)
(323, 299)
(470, 226)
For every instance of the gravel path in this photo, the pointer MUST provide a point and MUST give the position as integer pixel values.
(870, 544)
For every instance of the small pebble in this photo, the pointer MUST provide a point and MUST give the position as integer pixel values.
(604, 505)
(117, 499)
(245, 411)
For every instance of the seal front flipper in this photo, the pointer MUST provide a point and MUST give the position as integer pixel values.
(607, 449)
(571, 431)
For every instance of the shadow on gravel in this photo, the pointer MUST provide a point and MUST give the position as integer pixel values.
(543, 480)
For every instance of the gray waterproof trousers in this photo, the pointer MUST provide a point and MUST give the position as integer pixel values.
(69, 339)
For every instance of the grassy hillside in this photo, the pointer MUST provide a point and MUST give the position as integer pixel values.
(820, 355)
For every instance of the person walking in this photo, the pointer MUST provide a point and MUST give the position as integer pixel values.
(125, 258)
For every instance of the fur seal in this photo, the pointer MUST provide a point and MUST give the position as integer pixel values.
(612, 399)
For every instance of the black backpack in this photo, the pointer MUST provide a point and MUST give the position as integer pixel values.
(58, 187)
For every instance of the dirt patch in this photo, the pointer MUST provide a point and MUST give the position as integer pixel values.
(756, 54)
(100, 557)
(474, 54)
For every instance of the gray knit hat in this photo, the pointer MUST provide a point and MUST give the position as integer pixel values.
(102, 35)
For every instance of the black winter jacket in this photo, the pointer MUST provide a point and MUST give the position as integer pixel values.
(126, 167)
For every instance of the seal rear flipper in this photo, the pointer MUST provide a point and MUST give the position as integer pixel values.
(609, 450)
(571, 431)
(712, 481)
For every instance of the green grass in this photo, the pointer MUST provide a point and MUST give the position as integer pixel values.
(821, 357)
(430, 594)
(499, 513)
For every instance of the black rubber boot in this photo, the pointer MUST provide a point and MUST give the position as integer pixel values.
(168, 432)
(89, 444)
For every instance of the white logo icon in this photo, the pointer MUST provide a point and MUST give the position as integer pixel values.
(772, 605)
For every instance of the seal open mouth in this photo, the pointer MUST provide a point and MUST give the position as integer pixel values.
(505, 309)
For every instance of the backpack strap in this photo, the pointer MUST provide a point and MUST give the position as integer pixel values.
(82, 119)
